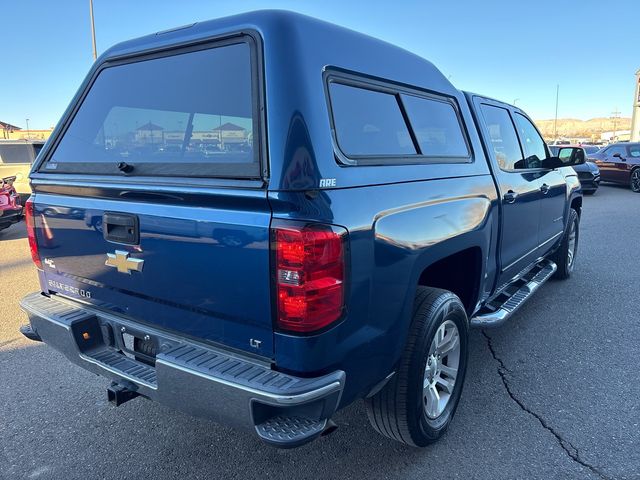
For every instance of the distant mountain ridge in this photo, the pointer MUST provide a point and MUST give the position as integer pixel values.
(573, 127)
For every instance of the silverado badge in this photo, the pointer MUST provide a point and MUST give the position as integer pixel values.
(120, 260)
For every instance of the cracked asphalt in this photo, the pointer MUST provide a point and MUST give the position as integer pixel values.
(555, 393)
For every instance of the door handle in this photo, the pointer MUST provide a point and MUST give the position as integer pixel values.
(510, 196)
(544, 188)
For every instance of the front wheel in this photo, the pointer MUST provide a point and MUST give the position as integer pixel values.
(565, 256)
(419, 402)
(635, 180)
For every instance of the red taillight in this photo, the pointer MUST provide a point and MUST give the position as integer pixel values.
(310, 276)
(31, 232)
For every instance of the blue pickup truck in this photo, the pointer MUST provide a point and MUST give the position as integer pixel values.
(263, 218)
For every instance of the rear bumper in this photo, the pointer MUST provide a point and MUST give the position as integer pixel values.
(284, 410)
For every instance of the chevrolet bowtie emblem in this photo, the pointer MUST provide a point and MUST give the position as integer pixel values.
(123, 263)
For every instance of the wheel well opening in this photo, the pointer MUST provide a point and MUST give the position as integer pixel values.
(576, 204)
(459, 273)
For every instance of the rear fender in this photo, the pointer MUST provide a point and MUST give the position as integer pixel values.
(437, 231)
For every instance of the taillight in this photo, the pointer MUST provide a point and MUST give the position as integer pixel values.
(310, 276)
(31, 232)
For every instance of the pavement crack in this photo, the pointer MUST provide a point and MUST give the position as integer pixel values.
(565, 444)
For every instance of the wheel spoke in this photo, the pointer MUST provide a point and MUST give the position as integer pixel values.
(433, 401)
(439, 336)
(446, 384)
(450, 372)
(450, 343)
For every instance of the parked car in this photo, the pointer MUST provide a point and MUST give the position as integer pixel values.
(16, 157)
(588, 172)
(10, 205)
(590, 149)
(384, 214)
(619, 163)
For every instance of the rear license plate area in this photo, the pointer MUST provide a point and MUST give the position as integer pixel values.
(140, 347)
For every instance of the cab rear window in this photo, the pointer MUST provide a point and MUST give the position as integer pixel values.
(189, 114)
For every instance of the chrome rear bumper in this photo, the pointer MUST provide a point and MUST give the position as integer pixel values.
(284, 410)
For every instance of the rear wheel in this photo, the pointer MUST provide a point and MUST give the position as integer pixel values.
(635, 180)
(565, 256)
(419, 402)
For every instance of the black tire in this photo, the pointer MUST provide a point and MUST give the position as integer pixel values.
(634, 181)
(561, 256)
(398, 410)
(589, 192)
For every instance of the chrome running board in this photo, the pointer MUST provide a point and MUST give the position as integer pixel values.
(505, 305)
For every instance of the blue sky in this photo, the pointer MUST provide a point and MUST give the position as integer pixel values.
(507, 49)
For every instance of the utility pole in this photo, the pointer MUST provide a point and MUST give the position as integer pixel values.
(93, 30)
(615, 116)
(555, 121)
(28, 132)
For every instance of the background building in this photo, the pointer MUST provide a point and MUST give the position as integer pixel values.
(12, 132)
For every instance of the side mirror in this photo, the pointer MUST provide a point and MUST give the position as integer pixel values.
(570, 156)
(617, 155)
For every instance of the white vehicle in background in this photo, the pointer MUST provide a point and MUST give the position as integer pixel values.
(16, 158)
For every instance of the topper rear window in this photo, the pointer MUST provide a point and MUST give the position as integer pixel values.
(188, 114)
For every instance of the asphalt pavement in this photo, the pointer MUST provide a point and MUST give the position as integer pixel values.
(555, 393)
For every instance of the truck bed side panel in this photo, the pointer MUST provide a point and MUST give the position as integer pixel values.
(395, 231)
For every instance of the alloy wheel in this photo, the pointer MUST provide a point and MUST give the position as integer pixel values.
(571, 251)
(441, 369)
(635, 180)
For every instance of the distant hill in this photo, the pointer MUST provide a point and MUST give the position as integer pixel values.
(574, 128)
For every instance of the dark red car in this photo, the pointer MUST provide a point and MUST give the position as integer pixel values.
(10, 205)
(619, 163)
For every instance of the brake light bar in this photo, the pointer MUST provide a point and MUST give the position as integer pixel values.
(310, 275)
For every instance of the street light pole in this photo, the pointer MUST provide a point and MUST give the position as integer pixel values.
(93, 30)
(615, 116)
(28, 132)
(555, 121)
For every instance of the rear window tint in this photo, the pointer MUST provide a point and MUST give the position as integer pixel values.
(436, 127)
(369, 123)
(189, 114)
(16, 153)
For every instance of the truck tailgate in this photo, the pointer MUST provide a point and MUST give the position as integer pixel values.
(204, 270)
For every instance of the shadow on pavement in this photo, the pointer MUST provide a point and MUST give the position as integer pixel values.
(56, 423)
(14, 232)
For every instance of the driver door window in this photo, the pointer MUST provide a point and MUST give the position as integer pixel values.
(613, 150)
(532, 143)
